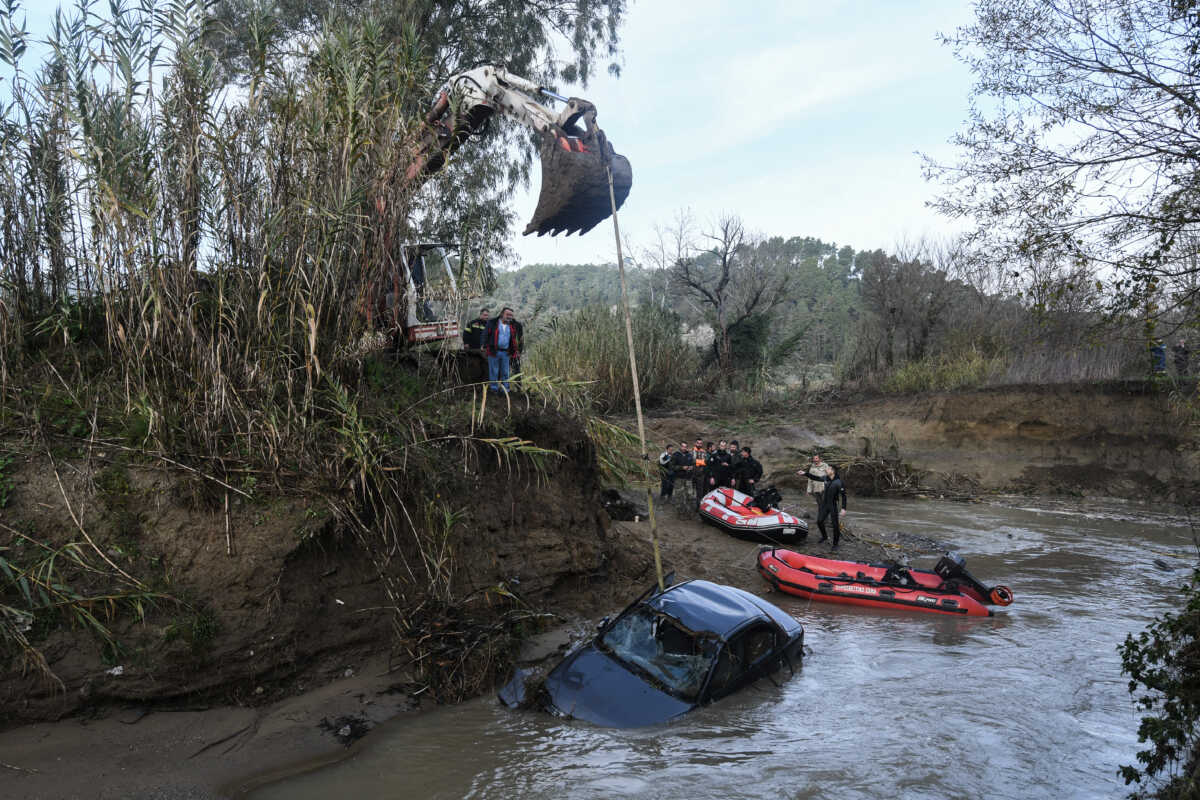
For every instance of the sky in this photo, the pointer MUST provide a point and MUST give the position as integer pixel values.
(802, 117)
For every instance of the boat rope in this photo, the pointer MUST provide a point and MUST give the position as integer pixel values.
(637, 393)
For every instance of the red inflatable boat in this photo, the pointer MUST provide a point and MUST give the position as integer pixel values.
(947, 589)
(752, 518)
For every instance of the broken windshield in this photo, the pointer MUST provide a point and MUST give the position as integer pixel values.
(655, 644)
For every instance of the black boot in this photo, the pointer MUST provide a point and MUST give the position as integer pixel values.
(824, 534)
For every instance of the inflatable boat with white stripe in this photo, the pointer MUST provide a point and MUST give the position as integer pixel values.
(738, 515)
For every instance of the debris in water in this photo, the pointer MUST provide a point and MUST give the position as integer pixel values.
(347, 729)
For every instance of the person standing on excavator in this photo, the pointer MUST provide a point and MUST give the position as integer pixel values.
(473, 332)
(501, 342)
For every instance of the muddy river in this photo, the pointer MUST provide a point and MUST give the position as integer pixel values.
(1029, 703)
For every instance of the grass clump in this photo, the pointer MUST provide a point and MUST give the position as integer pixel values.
(590, 346)
(943, 373)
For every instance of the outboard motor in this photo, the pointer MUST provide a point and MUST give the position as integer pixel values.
(767, 498)
(951, 568)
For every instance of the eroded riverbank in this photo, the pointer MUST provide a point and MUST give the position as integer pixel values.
(1049, 551)
(1029, 703)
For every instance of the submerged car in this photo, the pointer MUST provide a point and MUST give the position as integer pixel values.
(667, 653)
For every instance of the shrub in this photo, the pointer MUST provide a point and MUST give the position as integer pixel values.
(1163, 664)
(590, 346)
(944, 373)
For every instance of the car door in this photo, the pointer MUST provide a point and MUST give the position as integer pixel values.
(748, 655)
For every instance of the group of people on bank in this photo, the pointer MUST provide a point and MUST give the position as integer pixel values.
(502, 340)
(708, 466)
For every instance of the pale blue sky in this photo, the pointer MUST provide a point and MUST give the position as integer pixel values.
(801, 116)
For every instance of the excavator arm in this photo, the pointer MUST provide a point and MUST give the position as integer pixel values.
(576, 161)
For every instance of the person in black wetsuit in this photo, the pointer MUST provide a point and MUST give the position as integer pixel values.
(834, 489)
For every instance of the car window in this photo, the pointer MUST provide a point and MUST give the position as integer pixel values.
(739, 656)
(672, 656)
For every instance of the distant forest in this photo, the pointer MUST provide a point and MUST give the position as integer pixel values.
(823, 293)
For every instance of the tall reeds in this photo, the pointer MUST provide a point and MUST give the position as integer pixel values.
(190, 262)
(589, 346)
(213, 245)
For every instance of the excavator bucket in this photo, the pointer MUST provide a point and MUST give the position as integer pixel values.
(574, 194)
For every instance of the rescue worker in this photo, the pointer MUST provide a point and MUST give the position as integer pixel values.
(683, 462)
(834, 490)
(473, 332)
(699, 470)
(735, 460)
(501, 341)
(718, 467)
(749, 471)
(666, 466)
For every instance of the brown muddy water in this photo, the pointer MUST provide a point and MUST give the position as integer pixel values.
(1029, 703)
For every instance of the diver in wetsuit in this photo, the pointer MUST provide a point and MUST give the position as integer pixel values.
(834, 489)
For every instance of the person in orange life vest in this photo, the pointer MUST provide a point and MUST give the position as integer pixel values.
(699, 468)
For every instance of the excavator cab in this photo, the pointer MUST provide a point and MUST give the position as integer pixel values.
(418, 303)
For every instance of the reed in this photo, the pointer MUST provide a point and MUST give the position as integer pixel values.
(185, 266)
(589, 346)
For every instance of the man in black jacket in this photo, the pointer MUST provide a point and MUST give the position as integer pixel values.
(473, 332)
(666, 467)
(718, 467)
(749, 471)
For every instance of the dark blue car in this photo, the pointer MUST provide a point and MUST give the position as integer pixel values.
(671, 651)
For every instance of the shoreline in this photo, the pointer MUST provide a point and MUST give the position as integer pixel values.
(226, 751)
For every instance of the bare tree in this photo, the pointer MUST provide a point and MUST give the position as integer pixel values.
(729, 278)
(1083, 143)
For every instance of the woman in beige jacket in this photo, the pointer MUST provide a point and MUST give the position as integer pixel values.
(816, 478)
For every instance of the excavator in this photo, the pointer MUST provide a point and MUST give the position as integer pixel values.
(577, 162)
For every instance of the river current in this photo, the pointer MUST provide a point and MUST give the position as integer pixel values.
(1028, 703)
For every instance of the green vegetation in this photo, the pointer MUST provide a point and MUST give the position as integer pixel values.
(185, 270)
(591, 346)
(944, 373)
(1163, 664)
(39, 589)
(6, 481)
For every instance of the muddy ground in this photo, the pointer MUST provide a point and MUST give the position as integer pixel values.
(135, 751)
(285, 653)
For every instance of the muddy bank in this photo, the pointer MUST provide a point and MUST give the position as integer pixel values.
(248, 604)
(287, 642)
(1124, 440)
(130, 750)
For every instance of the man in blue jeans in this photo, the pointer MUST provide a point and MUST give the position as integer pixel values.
(501, 342)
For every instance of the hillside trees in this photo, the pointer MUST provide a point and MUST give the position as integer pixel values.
(1083, 145)
(731, 280)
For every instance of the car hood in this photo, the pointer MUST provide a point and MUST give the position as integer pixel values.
(592, 686)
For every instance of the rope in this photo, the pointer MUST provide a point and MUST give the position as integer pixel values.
(637, 392)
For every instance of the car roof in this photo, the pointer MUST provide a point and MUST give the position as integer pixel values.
(705, 606)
